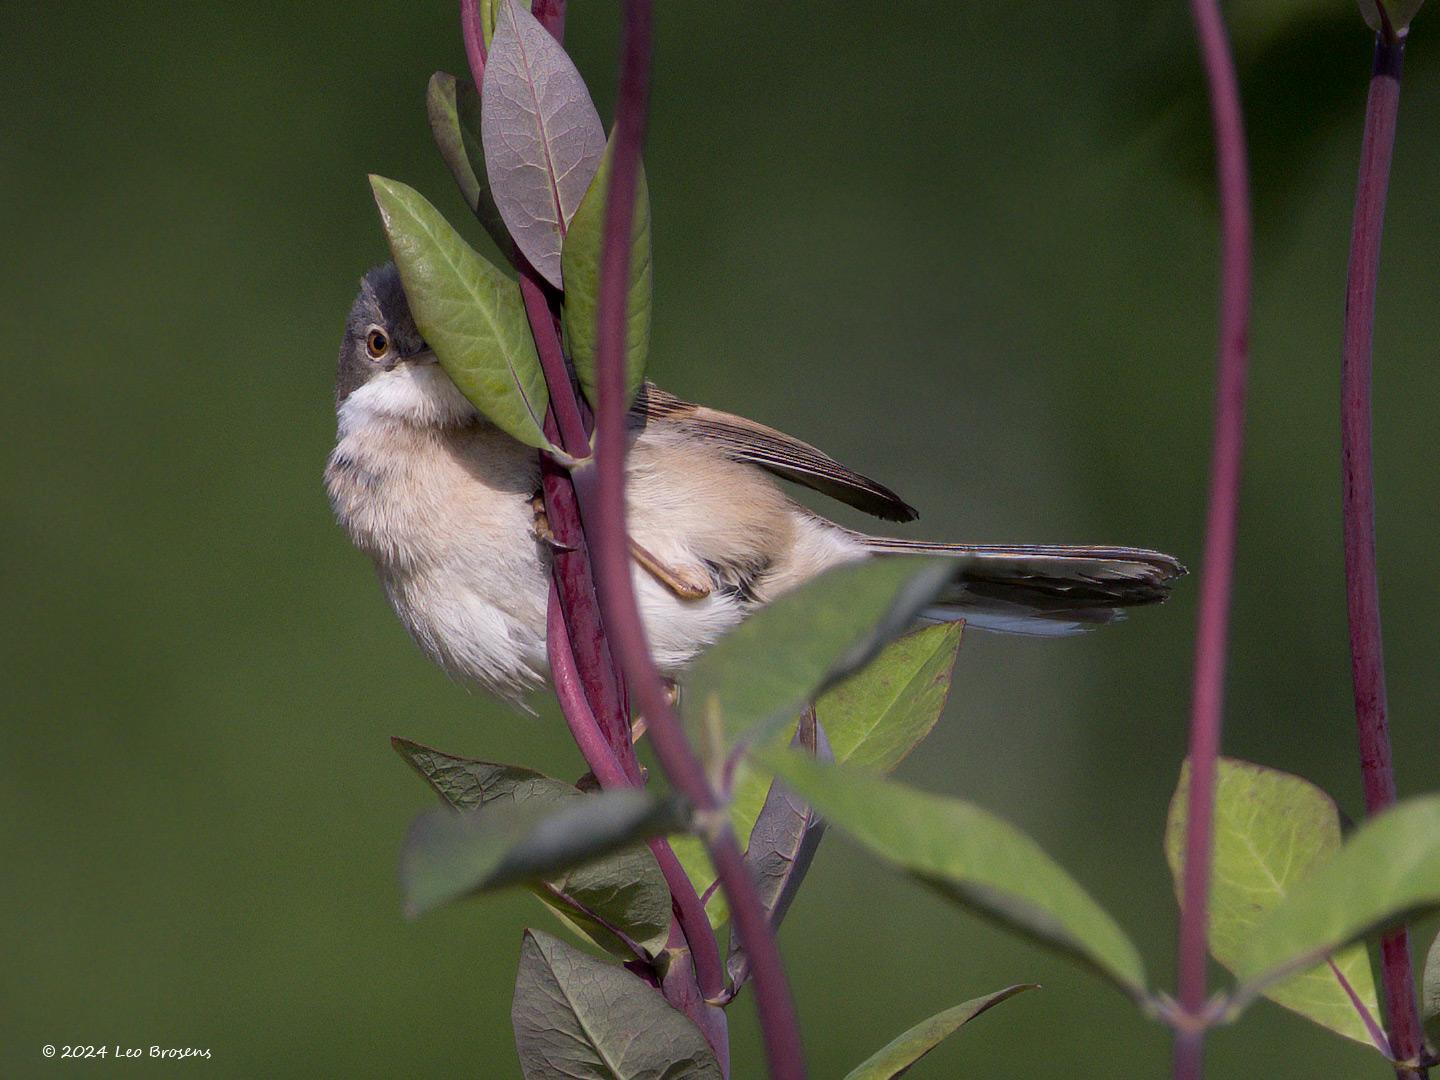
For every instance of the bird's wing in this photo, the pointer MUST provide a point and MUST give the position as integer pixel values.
(785, 456)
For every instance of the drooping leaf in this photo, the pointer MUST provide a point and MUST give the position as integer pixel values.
(469, 312)
(896, 1057)
(761, 674)
(1400, 13)
(583, 1019)
(542, 136)
(453, 106)
(1430, 991)
(879, 714)
(1387, 871)
(581, 262)
(781, 845)
(968, 855)
(1272, 831)
(620, 894)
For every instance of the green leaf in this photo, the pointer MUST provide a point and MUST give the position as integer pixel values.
(1400, 13)
(622, 896)
(761, 674)
(583, 1019)
(1272, 831)
(1389, 870)
(969, 856)
(580, 260)
(449, 854)
(469, 312)
(878, 715)
(1430, 991)
(896, 1057)
(454, 110)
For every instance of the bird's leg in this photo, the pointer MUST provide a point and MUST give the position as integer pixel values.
(638, 726)
(543, 532)
(688, 582)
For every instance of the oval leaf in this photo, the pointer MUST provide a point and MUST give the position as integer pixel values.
(761, 674)
(620, 902)
(583, 1019)
(1399, 12)
(542, 136)
(450, 854)
(781, 845)
(895, 1058)
(878, 715)
(1388, 870)
(469, 313)
(1272, 831)
(581, 261)
(454, 110)
(968, 855)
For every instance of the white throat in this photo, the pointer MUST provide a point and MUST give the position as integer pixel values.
(420, 394)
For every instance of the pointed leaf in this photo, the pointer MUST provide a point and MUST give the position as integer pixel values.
(453, 106)
(583, 1019)
(615, 902)
(469, 312)
(1399, 12)
(968, 855)
(878, 715)
(762, 673)
(1272, 830)
(1387, 871)
(581, 261)
(1430, 991)
(781, 845)
(542, 136)
(895, 1058)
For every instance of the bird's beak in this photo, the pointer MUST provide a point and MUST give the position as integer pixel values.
(420, 359)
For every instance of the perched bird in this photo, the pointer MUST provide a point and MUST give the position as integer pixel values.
(444, 504)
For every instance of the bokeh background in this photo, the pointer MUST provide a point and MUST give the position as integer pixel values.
(969, 248)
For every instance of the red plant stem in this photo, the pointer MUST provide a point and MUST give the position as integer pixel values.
(778, 1020)
(1212, 624)
(1367, 660)
(474, 35)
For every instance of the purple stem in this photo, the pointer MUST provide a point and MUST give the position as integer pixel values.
(778, 1020)
(587, 682)
(1367, 660)
(1372, 1026)
(1212, 624)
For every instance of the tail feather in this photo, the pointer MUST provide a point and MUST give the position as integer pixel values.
(1039, 589)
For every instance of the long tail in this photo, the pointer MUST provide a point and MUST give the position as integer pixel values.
(1042, 590)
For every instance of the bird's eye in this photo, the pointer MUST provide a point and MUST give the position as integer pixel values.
(377, 343)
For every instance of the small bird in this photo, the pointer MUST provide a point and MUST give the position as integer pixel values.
(444, 503)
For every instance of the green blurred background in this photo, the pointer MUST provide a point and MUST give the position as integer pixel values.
(969, 248)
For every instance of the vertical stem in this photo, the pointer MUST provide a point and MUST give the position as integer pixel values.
(617, 594)
(1367, 662)
(1212, 625)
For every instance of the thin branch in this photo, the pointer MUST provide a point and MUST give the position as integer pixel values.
(1367, 658)
(1212, 626)
(617, 594)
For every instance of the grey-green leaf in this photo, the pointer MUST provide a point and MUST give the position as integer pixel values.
(781, 845)
(583, 1019)
(896, 1057)
(1430, 991)
(1400, 13)
(542, 136)
(879, 714)
(968, 855)
(453, 106)
(761, 674)
(469, 312)
(581, 262)
(616, 902)
(1272, 831)
(1388, 870)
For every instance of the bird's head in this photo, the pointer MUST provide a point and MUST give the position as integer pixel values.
(386, 370)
